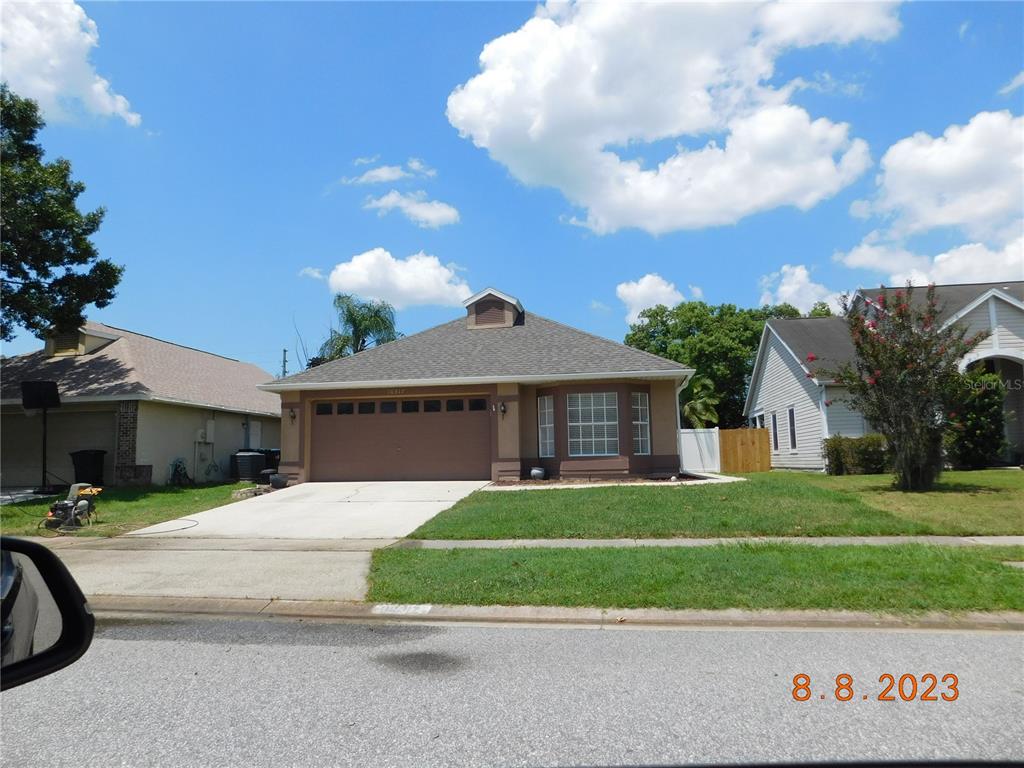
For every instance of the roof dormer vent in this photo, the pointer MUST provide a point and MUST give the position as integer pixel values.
(490, 308)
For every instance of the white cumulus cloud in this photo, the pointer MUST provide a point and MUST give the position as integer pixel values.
(314, 273)
(559, 100)
(46, 49)
(967, 182)
(649, 291)
(416, 280)
(430, 214)
(969, 178)
(792, 284)
(696, 292)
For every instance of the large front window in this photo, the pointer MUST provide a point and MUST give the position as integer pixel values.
(593, 424)
(641, 424)
(546, 426)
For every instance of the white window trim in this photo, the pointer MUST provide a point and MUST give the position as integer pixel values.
(541, 427)
(645, 425)
(571, 424)
(791, 429)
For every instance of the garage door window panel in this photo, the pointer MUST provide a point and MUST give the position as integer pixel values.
(346, 409)
(323, 409)
(389, 406)
(478, 404)
(410, 406)
(367, 407)
(454, 405)
(431, 406)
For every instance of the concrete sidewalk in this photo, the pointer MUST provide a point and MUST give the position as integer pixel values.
(817, 541)
(232, 569)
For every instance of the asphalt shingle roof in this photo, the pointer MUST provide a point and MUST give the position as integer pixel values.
(951, 298)
(536, 347)
(134, 365)
(827, 338)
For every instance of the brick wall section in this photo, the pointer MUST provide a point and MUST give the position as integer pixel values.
(127, 428)
(126, 471)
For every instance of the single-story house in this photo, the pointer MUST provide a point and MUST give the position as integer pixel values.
(144, 401)
(800, 408)
(486, 396)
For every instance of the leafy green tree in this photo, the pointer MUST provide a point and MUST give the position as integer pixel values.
(49, 268)
(699, 401)
(719, 341)
(361, 324)
(975, 436)
(905, 379)
(820, 309)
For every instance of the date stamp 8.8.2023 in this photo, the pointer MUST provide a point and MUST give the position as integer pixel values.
(906, 687)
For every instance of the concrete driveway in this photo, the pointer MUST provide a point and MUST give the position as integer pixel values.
(369, 510)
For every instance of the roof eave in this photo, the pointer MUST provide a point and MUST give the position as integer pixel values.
(78, 399)
(678, 374)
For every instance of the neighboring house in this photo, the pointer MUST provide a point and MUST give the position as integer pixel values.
(144, 401)
(487, 396)
(800, 409)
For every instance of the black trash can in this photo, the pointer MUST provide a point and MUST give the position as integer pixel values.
(88, 466)
(247, 465)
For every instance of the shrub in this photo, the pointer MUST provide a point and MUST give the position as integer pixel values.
(904, 377)
(868, 455)
(974, 438)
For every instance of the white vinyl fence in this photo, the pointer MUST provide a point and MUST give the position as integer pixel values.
(699, 450)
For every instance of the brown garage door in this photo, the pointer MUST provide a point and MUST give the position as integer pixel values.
(445, 438)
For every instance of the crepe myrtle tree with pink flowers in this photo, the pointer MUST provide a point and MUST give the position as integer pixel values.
(905, 378)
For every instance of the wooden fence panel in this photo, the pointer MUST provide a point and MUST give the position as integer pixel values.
(745, 450)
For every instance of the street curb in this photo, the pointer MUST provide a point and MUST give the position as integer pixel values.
(111, 606)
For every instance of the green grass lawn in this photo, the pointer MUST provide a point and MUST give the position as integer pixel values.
(769, 504)
(906, 578)
(119, 510)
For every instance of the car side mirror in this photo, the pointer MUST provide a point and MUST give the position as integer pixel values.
(45, 621)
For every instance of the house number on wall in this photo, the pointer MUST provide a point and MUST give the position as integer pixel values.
(396, 391)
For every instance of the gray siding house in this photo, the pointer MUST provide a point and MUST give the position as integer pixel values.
(800, 409)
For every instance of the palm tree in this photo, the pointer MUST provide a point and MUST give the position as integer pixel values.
(362, 324)
(699, 408)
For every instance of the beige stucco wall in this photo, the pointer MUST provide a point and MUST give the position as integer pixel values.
(71, 428)
(664, 421)
(508, 423)
(528, 422)
(168, 432)
(289, 428)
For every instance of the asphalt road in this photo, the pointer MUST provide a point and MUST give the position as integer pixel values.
(219, 692)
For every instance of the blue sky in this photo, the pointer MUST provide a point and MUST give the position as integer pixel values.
(582, 167)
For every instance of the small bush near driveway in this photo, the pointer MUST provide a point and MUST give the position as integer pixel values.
(906, 578)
